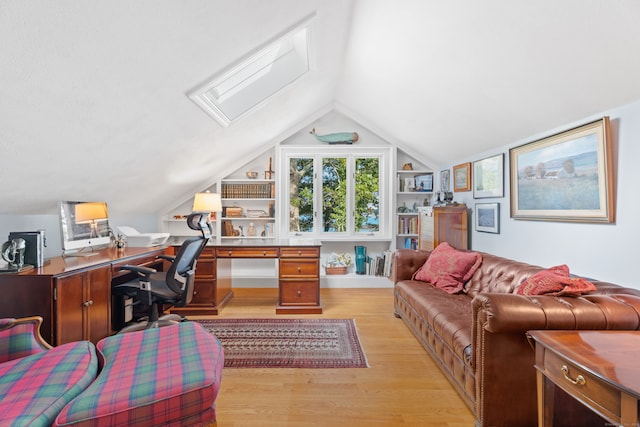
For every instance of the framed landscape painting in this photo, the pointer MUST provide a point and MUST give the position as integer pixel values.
(565, 177)
(488, 217)
(488, 177)
(462, 177)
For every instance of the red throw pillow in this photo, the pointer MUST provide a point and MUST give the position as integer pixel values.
(448, 268)
(555, 281)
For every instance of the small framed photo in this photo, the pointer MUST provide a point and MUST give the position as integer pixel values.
(409, 184)
(488, 177)
(445, 178)
(424, 182)
(488, 217)
(462, 177)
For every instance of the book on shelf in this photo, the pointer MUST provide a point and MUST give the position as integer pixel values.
(380, 265)
(408, 225)
(262, 190)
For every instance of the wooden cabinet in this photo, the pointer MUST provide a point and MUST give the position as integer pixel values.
(82, 305)
(450, 224)
(211, 290)
(72, 295)
(299, 281)
(444, 224)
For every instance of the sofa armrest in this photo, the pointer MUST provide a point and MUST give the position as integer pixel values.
(501, 349)
(21, 338)
(406, 262)
(498, 313)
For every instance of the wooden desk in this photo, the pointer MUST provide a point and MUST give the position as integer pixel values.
(73, 295)
(597, 368)
(298, 274)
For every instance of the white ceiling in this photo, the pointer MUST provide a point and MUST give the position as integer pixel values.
(93, 101)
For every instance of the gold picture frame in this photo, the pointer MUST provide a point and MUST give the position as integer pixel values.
(462, 177)
(568, 176)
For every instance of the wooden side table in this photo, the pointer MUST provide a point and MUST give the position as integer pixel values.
(599, 369)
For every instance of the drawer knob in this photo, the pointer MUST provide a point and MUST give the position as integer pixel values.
(264, 253)
(230, 253)
(299, 293)
(579, 379)
(299, 269)
(88, 303)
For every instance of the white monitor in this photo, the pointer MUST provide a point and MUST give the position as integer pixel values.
(83, 225)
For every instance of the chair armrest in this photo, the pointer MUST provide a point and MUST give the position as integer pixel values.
(167, 257)
(142, 271)
(21, 338)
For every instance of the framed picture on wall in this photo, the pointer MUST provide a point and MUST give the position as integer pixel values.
(568, 176)
(488, 177)
(445, 178)
(462, 177)
(488, 217)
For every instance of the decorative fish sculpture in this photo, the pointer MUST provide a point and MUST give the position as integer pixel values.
(337, 138)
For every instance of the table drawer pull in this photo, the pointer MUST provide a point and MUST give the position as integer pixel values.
(579, 379)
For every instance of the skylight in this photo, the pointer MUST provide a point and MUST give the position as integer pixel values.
(245, 85)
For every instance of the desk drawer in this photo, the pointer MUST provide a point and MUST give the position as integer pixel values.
(298, 292)
(247, 252)
(299, 252)
(299, 268)
(594, 392)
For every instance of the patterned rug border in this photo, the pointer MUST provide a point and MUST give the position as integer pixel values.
(351, 354)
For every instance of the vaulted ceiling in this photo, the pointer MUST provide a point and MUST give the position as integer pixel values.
(93, 102)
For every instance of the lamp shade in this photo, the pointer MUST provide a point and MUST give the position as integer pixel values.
(90, 211)
(207, 202)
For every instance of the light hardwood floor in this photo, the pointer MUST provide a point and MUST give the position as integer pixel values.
(402, 386)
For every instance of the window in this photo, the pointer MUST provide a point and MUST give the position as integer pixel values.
(249, 82)
(335, 194)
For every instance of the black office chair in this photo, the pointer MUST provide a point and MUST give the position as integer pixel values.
(173, 287)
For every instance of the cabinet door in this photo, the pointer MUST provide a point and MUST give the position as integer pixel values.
(450, 225)
(98, 317)
(83, 306)
(70, 311)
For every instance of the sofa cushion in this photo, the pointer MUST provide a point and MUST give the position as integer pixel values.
(448, 268)
(34, 389)
(157, 377)
(555, 281)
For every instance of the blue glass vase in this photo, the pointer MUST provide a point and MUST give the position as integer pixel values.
(361, 259)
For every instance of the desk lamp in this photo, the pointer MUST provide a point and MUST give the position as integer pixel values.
(207, 202)
(89, 213)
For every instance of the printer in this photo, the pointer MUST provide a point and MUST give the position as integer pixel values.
(135, 239)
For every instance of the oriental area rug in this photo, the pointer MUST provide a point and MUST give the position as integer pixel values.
(288, 343)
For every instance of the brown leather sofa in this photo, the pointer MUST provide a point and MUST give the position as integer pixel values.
(478, 338)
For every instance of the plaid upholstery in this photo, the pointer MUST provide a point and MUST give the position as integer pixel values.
(18, 338)
(34, 389)
(157, 377)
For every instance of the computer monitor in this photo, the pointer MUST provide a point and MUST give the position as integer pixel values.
(83, 225)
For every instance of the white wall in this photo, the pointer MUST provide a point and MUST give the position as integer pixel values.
(601, 251)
